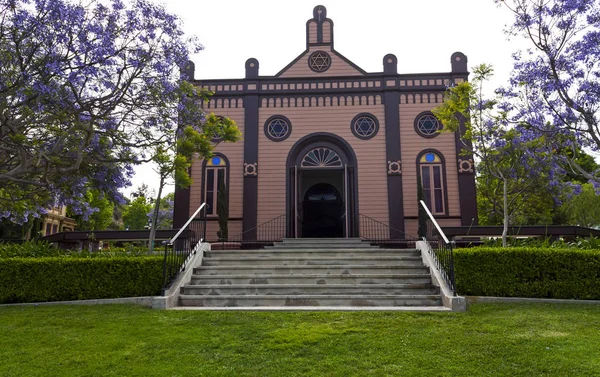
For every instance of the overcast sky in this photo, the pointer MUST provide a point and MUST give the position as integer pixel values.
(422, 34)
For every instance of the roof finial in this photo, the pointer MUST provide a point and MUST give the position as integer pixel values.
(320, 13)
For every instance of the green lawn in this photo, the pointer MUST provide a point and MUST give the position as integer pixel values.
(114, 340)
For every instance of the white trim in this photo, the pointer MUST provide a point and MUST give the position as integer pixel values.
(437, 226)
(456, 303)
(171, 297)
(186, 225)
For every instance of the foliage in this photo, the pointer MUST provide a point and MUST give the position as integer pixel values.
(223, 209)
(511, 158)
(62, 279)
(102, 210)
(540, 204)
(176, 159)
(42, 249)
(135, 214)
(555, 85)
(165, 214)
(12, 231)
(528, 272)
(30, 249)
(589, 243)
(87, 89)
(517, 340)
(584, 209)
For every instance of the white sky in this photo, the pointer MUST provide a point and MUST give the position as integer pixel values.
(422, 34)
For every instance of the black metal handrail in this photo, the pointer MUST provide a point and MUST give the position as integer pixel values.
(180, 248)
(381, 234)
(438, 247)
(264, 234)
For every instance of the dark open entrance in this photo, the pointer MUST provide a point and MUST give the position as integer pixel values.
(323, 212)
(322, 188)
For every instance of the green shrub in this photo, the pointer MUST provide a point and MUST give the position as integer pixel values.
(71, 278)
(592, 243)
(42, 249)
(528, 272)
(30, 249)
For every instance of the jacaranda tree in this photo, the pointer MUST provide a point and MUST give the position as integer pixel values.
(555, 85)
(510, 157)
(87, 89)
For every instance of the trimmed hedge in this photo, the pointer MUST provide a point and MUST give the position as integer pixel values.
(63, 279)
(40, 249)
(528, 272)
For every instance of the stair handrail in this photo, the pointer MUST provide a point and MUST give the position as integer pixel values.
(186, 224)
(272, 230)
(178, 251)
(365, 232)
(444, 255)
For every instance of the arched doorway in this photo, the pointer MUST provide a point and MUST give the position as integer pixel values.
(321, 192)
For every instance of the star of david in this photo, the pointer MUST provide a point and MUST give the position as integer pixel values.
(365, 126)
(278, 128)
(428, 125)
(319, 61)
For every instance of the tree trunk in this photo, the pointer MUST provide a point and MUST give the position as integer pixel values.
(155, 216)
(505, 196)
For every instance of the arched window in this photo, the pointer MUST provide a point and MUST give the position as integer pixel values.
(215, 179)
(432, 175)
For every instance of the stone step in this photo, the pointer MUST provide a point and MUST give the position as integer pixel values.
(243, 278)
(319, 245)
(310, 269)
(308, 300)
(315, 261)
(312, 289)
(323, 241)
(311, 253)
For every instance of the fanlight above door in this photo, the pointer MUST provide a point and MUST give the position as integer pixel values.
(321, 158)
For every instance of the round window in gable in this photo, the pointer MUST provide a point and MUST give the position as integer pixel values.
(365, 126)
(278, 128)
(319, 61)
(427, 125)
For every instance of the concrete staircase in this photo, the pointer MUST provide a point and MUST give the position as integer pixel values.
(331, 273)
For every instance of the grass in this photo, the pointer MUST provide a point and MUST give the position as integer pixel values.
(115, 340)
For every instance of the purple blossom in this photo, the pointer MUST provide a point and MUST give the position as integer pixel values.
(91, 85)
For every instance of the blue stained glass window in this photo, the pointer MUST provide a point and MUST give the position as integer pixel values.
(216, 161)
(430, 157)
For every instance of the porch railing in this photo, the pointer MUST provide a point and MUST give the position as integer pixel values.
(264, 234)
(438, 246)
(180, 248)
(383, 235)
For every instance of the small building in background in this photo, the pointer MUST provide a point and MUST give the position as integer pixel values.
(56, 221)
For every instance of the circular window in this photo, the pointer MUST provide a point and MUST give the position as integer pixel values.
(319, 61)
(427, 125)
(278, 128)
(365, 126)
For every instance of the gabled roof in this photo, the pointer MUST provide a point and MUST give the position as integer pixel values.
(320, 58)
